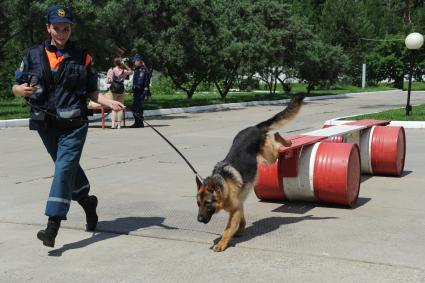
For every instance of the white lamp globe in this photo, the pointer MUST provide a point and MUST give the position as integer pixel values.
(414, 40)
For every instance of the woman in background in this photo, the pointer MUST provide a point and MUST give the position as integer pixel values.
(115, 78)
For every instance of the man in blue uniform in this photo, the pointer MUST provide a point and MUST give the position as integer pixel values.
(140, 90)
(56, 79)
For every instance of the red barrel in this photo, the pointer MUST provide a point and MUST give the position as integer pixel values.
(332, 168)
(388, 150)
(269, 182)
(335, 139)
(337, 173)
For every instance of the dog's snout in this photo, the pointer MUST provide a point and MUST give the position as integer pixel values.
(203, 219)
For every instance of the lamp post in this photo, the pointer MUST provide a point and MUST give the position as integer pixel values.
(413, 42)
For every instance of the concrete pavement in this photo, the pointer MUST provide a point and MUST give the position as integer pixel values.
(148, 230)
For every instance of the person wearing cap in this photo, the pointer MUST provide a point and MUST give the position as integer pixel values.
(56, 78)
(140, 90)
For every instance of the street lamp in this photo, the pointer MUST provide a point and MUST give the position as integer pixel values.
(413, 42)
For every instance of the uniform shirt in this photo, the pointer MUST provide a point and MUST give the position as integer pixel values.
(55, 57)
(140, 77)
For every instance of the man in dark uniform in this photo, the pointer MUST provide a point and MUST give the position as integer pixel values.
(56, 79)
(140, 90)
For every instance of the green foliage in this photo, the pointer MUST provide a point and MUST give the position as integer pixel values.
(185, 44)
(387, 61)
(162, 86)
(238, 42)
(345, 23)
(248, 84)
(201, 44)
(13, 108)
(321, 64)
(10, 62)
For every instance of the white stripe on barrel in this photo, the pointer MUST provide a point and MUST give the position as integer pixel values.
(328, 172)
(383, 150)
(365, 142)
(301, 187)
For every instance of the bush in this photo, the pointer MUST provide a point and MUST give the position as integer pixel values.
(162, 86)
(10, 62)
(204, 86)
(248, 84)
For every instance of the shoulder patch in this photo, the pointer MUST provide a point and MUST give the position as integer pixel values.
(21, 67)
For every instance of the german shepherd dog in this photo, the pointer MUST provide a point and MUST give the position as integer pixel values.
(234, 177)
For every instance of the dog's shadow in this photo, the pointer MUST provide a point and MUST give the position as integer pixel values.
(268, 225)
(111, 229)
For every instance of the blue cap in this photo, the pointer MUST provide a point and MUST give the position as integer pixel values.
(59, 14)
(137, 57)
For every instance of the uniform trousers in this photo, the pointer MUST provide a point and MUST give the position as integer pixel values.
(69, 180)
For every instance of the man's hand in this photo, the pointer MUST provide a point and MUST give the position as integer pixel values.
(23, 90)
(116, 105)
(101, 99)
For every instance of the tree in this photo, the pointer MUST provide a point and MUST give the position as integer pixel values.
(321, 64)
(274, 19)
(388, 60)
(237, 33)
(346, 23)
(295, 41)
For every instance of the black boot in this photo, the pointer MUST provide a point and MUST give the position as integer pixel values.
(138, 123)
(89, 204)
(48, 235)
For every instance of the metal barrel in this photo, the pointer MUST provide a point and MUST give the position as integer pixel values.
(383, 150)
(327, 172)
(337, 173)
(335, 139)
(269, 182)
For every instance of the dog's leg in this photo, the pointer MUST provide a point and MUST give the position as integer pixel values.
(280, 139)
(232, 226)
(242, 225)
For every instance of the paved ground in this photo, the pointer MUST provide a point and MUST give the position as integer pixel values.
(148, 230)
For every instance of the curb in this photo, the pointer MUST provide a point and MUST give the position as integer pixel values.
(229, 106)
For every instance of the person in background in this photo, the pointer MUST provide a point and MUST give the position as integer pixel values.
(140, 90)
(56, 79)
(115, 78)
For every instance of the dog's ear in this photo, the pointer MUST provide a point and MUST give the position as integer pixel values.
(198, 182)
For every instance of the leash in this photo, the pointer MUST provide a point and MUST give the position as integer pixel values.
(197, 176)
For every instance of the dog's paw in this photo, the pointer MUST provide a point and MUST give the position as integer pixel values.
(219, 247)
(281, 140)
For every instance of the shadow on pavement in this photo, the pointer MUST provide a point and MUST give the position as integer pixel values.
(304, 207)
(268, 225)
(406, 172)
(367, 177)
(167, 117)
(111, 229)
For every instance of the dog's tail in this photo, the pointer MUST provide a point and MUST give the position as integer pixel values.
(286, 115)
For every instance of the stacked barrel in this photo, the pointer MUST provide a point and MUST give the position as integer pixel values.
(383, 150)
(329, 170)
